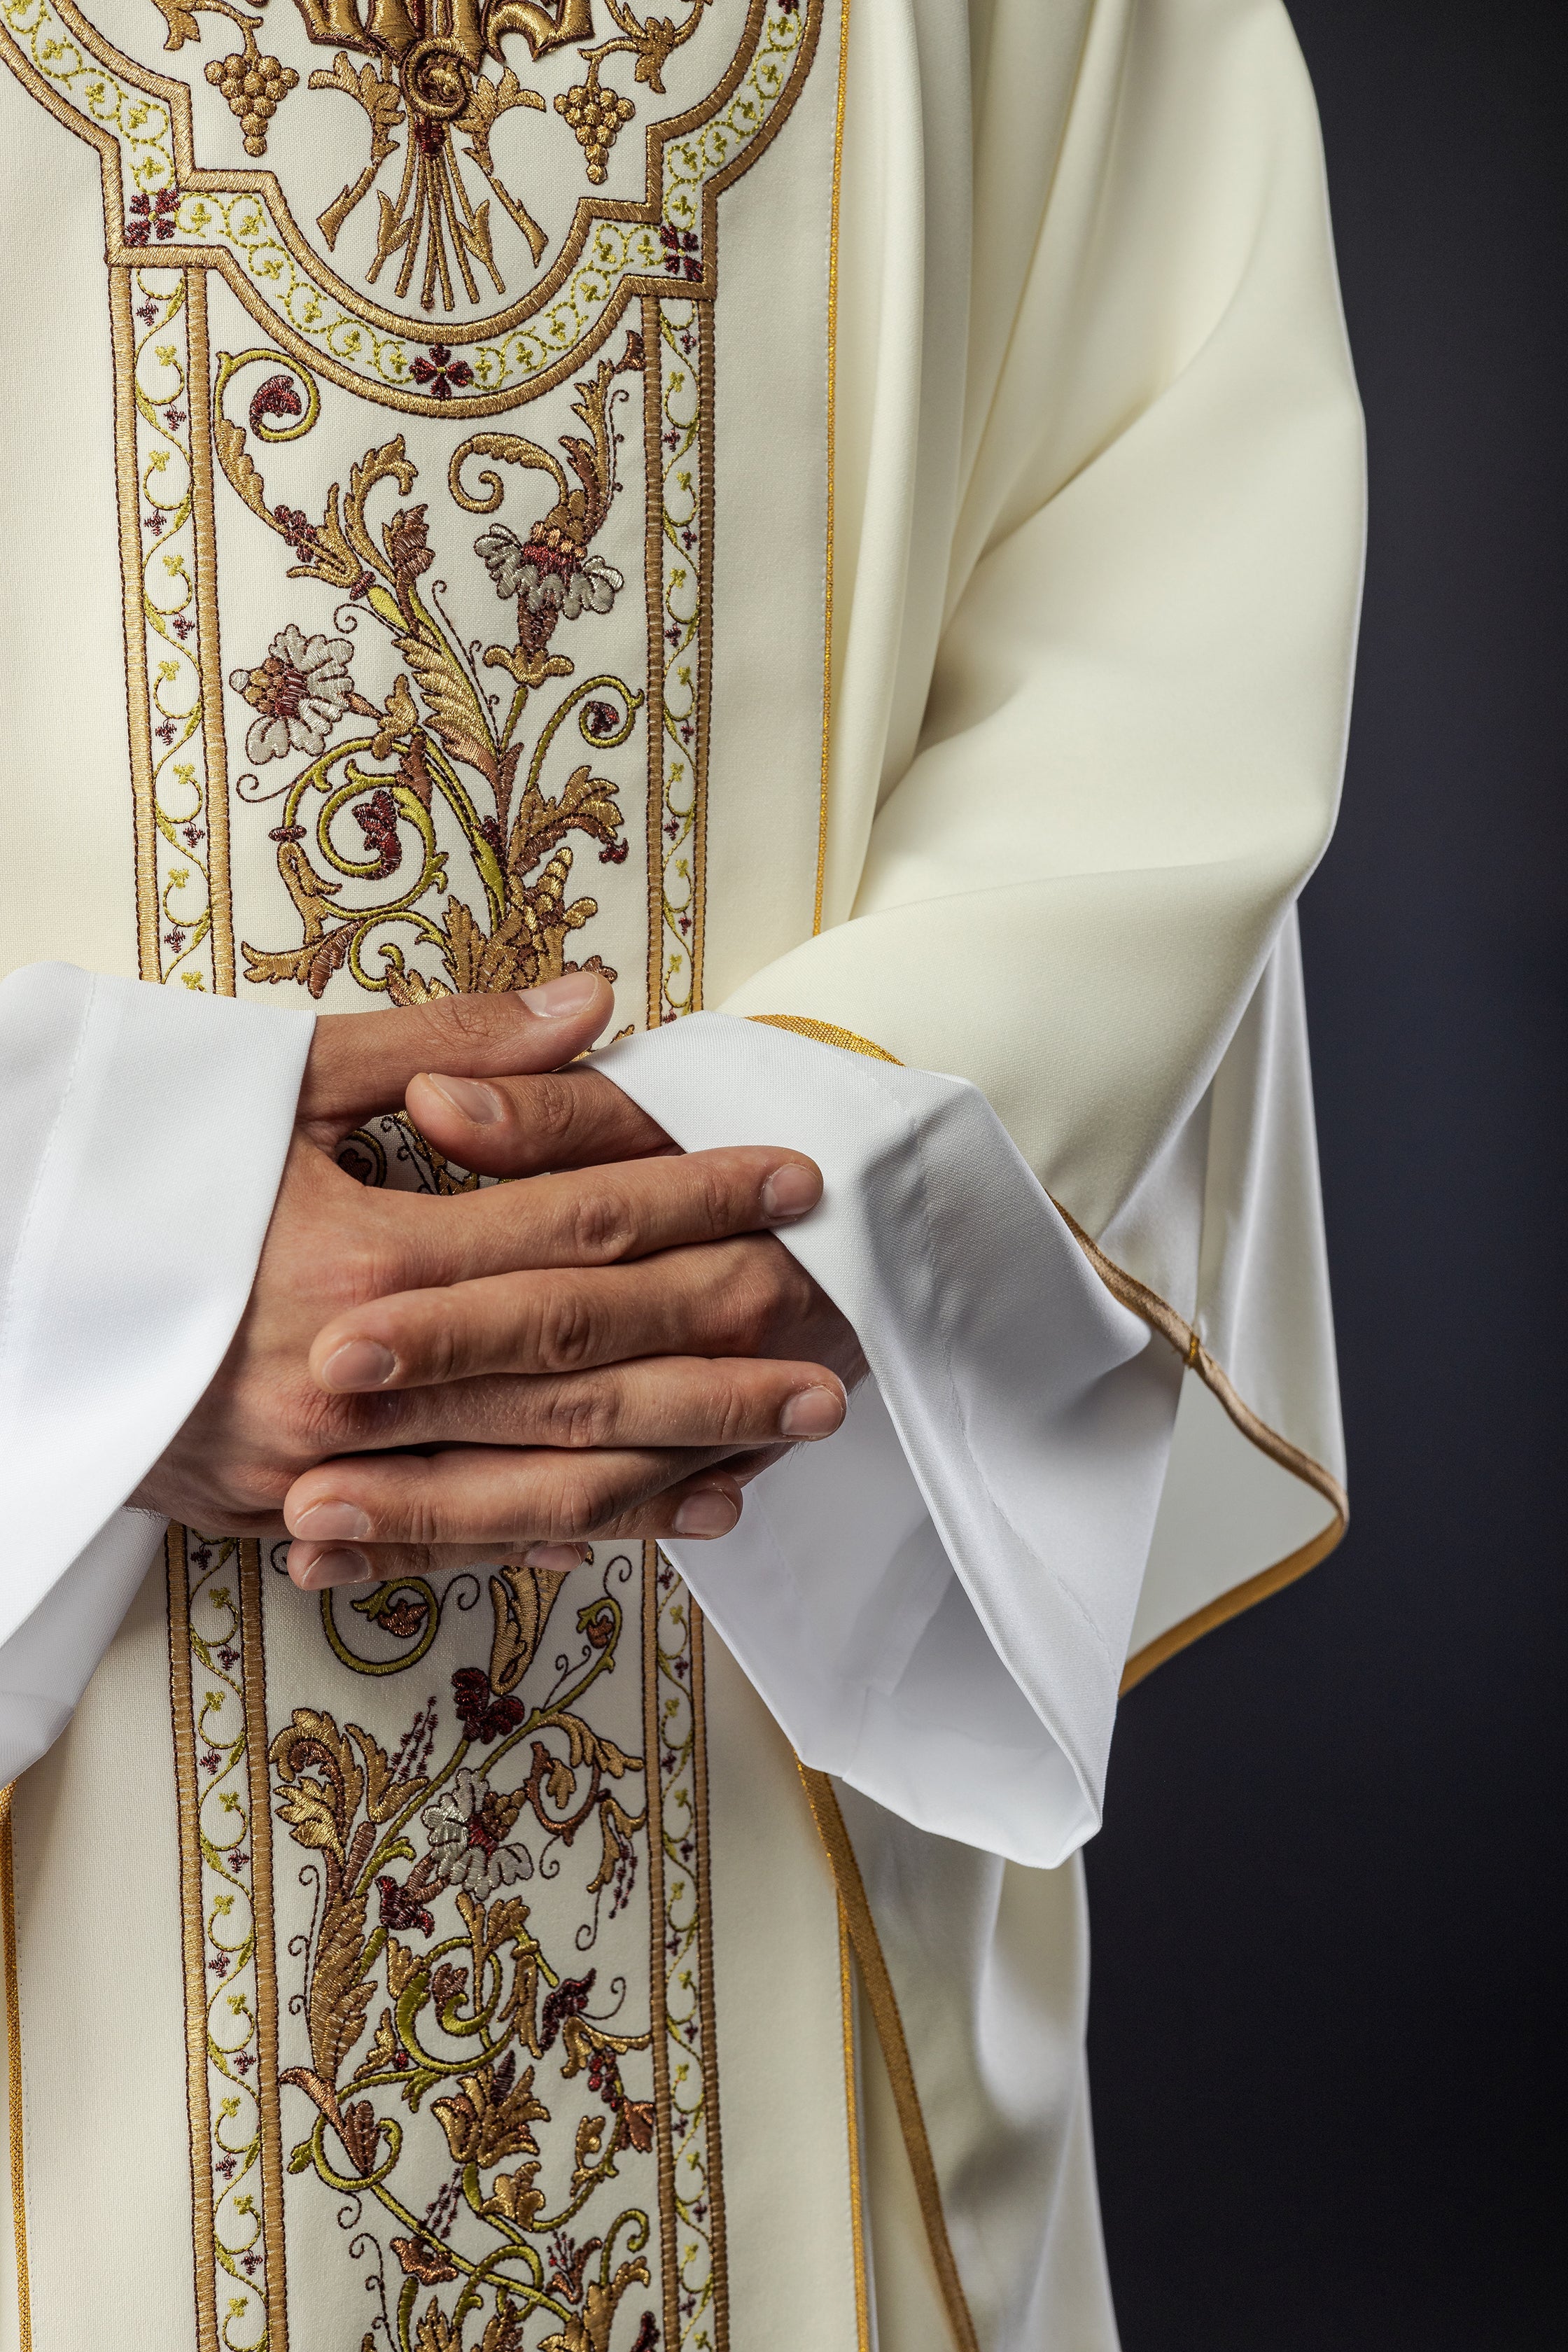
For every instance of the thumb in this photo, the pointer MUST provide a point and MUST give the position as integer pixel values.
(361, 1063)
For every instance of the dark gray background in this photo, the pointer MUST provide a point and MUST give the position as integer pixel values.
(1329, 1899)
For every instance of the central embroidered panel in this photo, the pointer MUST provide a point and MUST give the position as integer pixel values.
(449, 2013)
(411, 310)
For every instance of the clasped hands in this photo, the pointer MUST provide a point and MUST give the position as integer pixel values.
(611, 1347)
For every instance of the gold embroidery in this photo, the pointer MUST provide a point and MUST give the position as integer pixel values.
(852, 2110)
(1187, 1341)
(305, 687)
(832, 443)
(157, 197)
(219, 1722)
(884, 2006)
(14, 2118)
(825, 1033)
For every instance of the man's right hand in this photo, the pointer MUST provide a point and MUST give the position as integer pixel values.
(635, 1212)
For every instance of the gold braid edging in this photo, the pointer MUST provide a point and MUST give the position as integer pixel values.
(867, 1946)
(1185, 1339)
(825, 1034)
(13, 2072)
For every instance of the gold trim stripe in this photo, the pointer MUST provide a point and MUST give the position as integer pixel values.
(14, 2073)
(832, 435)
(823, 1032)
(718, 2244)
(867, 1944)
(1187, 1341)
(852, 2113)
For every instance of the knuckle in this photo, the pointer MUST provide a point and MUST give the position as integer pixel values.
(418, 1522)
(721, 1196)
(761, 1296)
(475, 1019)
(577, 1506)
(602, 1224)
(257, 1487)
(580, 1414)
(734, 1411)
(321, 1422)
(566, 1330)
(549, 1112)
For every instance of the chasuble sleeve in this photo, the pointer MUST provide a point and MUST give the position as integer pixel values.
(1061, 858)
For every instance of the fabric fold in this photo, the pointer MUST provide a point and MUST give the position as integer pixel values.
(936, 1602)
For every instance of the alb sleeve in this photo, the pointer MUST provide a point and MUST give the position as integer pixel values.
(145, 1134)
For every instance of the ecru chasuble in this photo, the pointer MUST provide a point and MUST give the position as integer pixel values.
(846, 515)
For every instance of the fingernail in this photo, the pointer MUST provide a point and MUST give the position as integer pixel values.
(812, 1412)
(556, 1560)
(709, 1512)
(359, 1364)
(481, 1105)
(330, 1518)
(570, 994)
(790, 1191)
(340, 1566)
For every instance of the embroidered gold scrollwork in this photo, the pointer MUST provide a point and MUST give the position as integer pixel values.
(453, 764)
(418, 1850)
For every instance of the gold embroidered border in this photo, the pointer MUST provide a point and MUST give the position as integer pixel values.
(832, 442)
(146, 441)
(705, 1999)
(208, 653)
(652, 1749)
(250, 1685)
(653, 591)
(862, 1931)
(129, 489)
(675, 1731)
(14, 2073)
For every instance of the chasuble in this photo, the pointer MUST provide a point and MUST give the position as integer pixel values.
(844, 516)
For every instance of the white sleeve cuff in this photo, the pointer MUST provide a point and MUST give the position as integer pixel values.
(936, 1602)
(146, 1130)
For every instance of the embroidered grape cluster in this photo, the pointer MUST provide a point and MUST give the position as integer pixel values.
(254, 87)
(596, 117)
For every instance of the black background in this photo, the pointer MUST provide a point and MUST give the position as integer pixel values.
(1329, 1899)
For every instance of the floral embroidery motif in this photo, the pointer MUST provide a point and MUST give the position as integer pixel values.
(457, 2072)
(451, 755)
(302, 691)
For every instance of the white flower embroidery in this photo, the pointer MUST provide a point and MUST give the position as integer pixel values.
(300, 692)
(549, 569)
(465, 1847)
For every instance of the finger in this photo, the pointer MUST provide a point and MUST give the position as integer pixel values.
(661, 1402)
(361, 1063)
(600, 1216)
(727, 1298)
(504, 1514)
(521, 1126)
